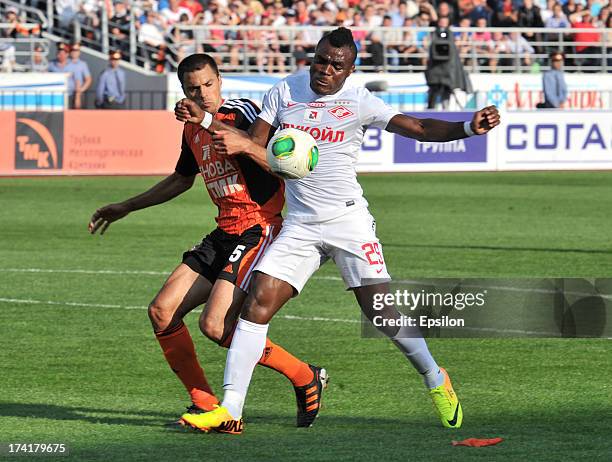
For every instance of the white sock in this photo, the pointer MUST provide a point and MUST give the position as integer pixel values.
(244, 353)
(415, 349)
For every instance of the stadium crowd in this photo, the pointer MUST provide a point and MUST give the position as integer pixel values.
(162, 41)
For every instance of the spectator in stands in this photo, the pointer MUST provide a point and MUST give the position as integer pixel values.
(110, 91)
(570, 7)
(10, 18)
(546, 10)
(151, 39)
(529, 16)
(483, 44)
(558, 19)
(184, 42)
(119, 27)
(480, 10)
(405, 9)
(174, 13)
(7, 57)
(38, 62)
(61, 64)
(408, 46)
(463, 41)
(587, 42)
(446, 10)
(67, 11)
(274, 57)
(193, 6)
(376, 50)
(301, 60)
(80, 75)
(392, 38)
(370, 18)
(503, 13)
(553, 84)
(520, 47)
(428, 8)
(88, 17)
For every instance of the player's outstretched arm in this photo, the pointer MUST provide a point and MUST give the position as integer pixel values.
(167, 189)
(439, 130)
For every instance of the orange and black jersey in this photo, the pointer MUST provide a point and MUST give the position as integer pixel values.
(244, 193)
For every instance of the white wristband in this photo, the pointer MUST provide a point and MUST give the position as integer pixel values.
(207, 120)
(467, 128)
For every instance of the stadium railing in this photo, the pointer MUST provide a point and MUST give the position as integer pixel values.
(249, 49)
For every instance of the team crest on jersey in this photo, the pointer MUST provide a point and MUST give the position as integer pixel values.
(316, 104)
(340, 112)
(205, 152)
(313, 115)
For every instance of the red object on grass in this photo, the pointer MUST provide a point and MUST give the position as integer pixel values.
(478, 442)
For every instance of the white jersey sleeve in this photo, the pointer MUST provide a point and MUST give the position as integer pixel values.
(272, 102)
(373, 111)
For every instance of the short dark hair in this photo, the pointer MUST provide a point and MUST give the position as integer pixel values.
(556, 53)
(340, 38)
(195, 63)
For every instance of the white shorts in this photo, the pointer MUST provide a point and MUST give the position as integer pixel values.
(349, 240)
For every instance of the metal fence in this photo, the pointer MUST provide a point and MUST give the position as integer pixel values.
(253, 49)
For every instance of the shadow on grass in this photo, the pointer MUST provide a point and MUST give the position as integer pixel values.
(558, 434)
(84, 414)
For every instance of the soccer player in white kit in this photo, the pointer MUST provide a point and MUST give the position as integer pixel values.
(327, 216)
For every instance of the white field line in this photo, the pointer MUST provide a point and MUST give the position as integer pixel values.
(28, 301)
(321, 278)
(116, 272)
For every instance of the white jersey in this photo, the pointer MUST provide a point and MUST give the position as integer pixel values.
(338, 123)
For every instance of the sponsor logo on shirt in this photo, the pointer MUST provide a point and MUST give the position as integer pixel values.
(291, 104)
(316, 104)
(320, 134)
(340, 112)
(313, 115)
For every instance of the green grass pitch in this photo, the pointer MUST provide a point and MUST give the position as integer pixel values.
(79, 364)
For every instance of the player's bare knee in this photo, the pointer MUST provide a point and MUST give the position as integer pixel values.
(160, 315)
(212, 328)
(257, 307)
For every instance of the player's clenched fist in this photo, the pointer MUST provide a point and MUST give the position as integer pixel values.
(103, 217)
(188, 111)
(227, 142)
(485, 119)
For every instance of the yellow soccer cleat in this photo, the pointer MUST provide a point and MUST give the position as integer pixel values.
(219, 420)
(447, 404)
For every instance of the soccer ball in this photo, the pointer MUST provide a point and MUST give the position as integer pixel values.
(292, 154)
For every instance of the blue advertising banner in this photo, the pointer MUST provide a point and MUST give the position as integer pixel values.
(409, 151)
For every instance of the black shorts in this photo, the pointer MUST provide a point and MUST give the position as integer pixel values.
(231, 257)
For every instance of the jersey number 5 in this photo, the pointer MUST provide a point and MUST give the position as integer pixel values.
(237, 253)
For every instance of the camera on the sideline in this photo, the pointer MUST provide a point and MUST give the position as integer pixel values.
(441, 44)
